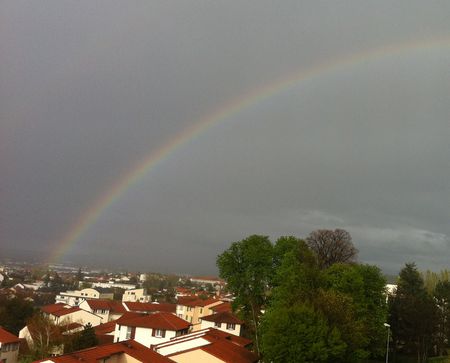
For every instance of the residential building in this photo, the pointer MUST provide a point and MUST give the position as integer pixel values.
(224, 321)
(107, 309)
(136, 295)
(74, 298)
(122, 352)
(9, 347)
(150, 329)
(62, 314)
(111, 284)
(193, 308)
(208, 346)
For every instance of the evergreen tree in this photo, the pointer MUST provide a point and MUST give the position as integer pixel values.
(412, 315)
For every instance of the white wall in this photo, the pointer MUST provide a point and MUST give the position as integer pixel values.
(223, 326)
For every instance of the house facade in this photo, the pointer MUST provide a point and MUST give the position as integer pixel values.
(192, 309)
(9, 347)
(150, 329)
(75, 297)
(224, 321)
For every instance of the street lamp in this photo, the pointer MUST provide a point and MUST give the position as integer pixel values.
(387, 342)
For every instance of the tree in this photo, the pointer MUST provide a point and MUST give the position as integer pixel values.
(412, 315)
(14, 313)
(299, 334)
(332, 246)
(442, 299)
(84, 339)
(247, 268)
(46, 336)
(365, 286)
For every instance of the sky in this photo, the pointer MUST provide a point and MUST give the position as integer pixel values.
(262, 117)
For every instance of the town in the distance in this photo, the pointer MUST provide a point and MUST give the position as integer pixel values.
(164, 318)
(311, 294)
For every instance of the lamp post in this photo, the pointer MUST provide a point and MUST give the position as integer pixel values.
(387, 341)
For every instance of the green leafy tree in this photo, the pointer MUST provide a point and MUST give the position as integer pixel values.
(14, 313)
(364, 285)
(247, 267)
(413, 315)
(84, 339)
(299, 334)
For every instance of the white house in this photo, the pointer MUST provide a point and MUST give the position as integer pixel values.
(107, 309)
(75, 297)
(224, 321)
(62, 314)
(9, 347)
(150, 329)
(136, 295)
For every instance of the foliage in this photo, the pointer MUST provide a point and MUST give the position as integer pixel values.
(45, 334)
(299, 334)
(442, 300)
(14, 313)
(364, 285)
(332, 246)
(247, 268)
(413, 315)
(84, 339)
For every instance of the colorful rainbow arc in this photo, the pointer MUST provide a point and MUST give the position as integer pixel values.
(153, 159)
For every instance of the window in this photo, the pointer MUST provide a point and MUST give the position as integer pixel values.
(231, 326)
(217, 324)
(201, 310)
(160, 333)
(128, 336)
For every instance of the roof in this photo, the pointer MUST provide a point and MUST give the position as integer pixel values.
(105, 328)
(229, 352)
(223, 317)
(196, 301)
(49, 309)
(150, 307)
(235, 339)
(225, 306)
(7, 337)
(71, 326)
(161, 320)
(59, 309)
(103, 304)
(224, 346)
(93, 355)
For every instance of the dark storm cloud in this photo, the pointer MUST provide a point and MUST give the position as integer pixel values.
(88, 89)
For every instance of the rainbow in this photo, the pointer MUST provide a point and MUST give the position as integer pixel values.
(144, 166)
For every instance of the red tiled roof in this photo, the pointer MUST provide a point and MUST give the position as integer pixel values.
(215, 334)
(229, 352)
(105, 328)
(7, 337)
(223, 317)
(151, 307)
(225, 306)
(59, 309)
(50, 309)
(71, 326)
(93, 355)
(161, 320)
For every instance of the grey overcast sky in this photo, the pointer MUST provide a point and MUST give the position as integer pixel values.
(89, 88)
